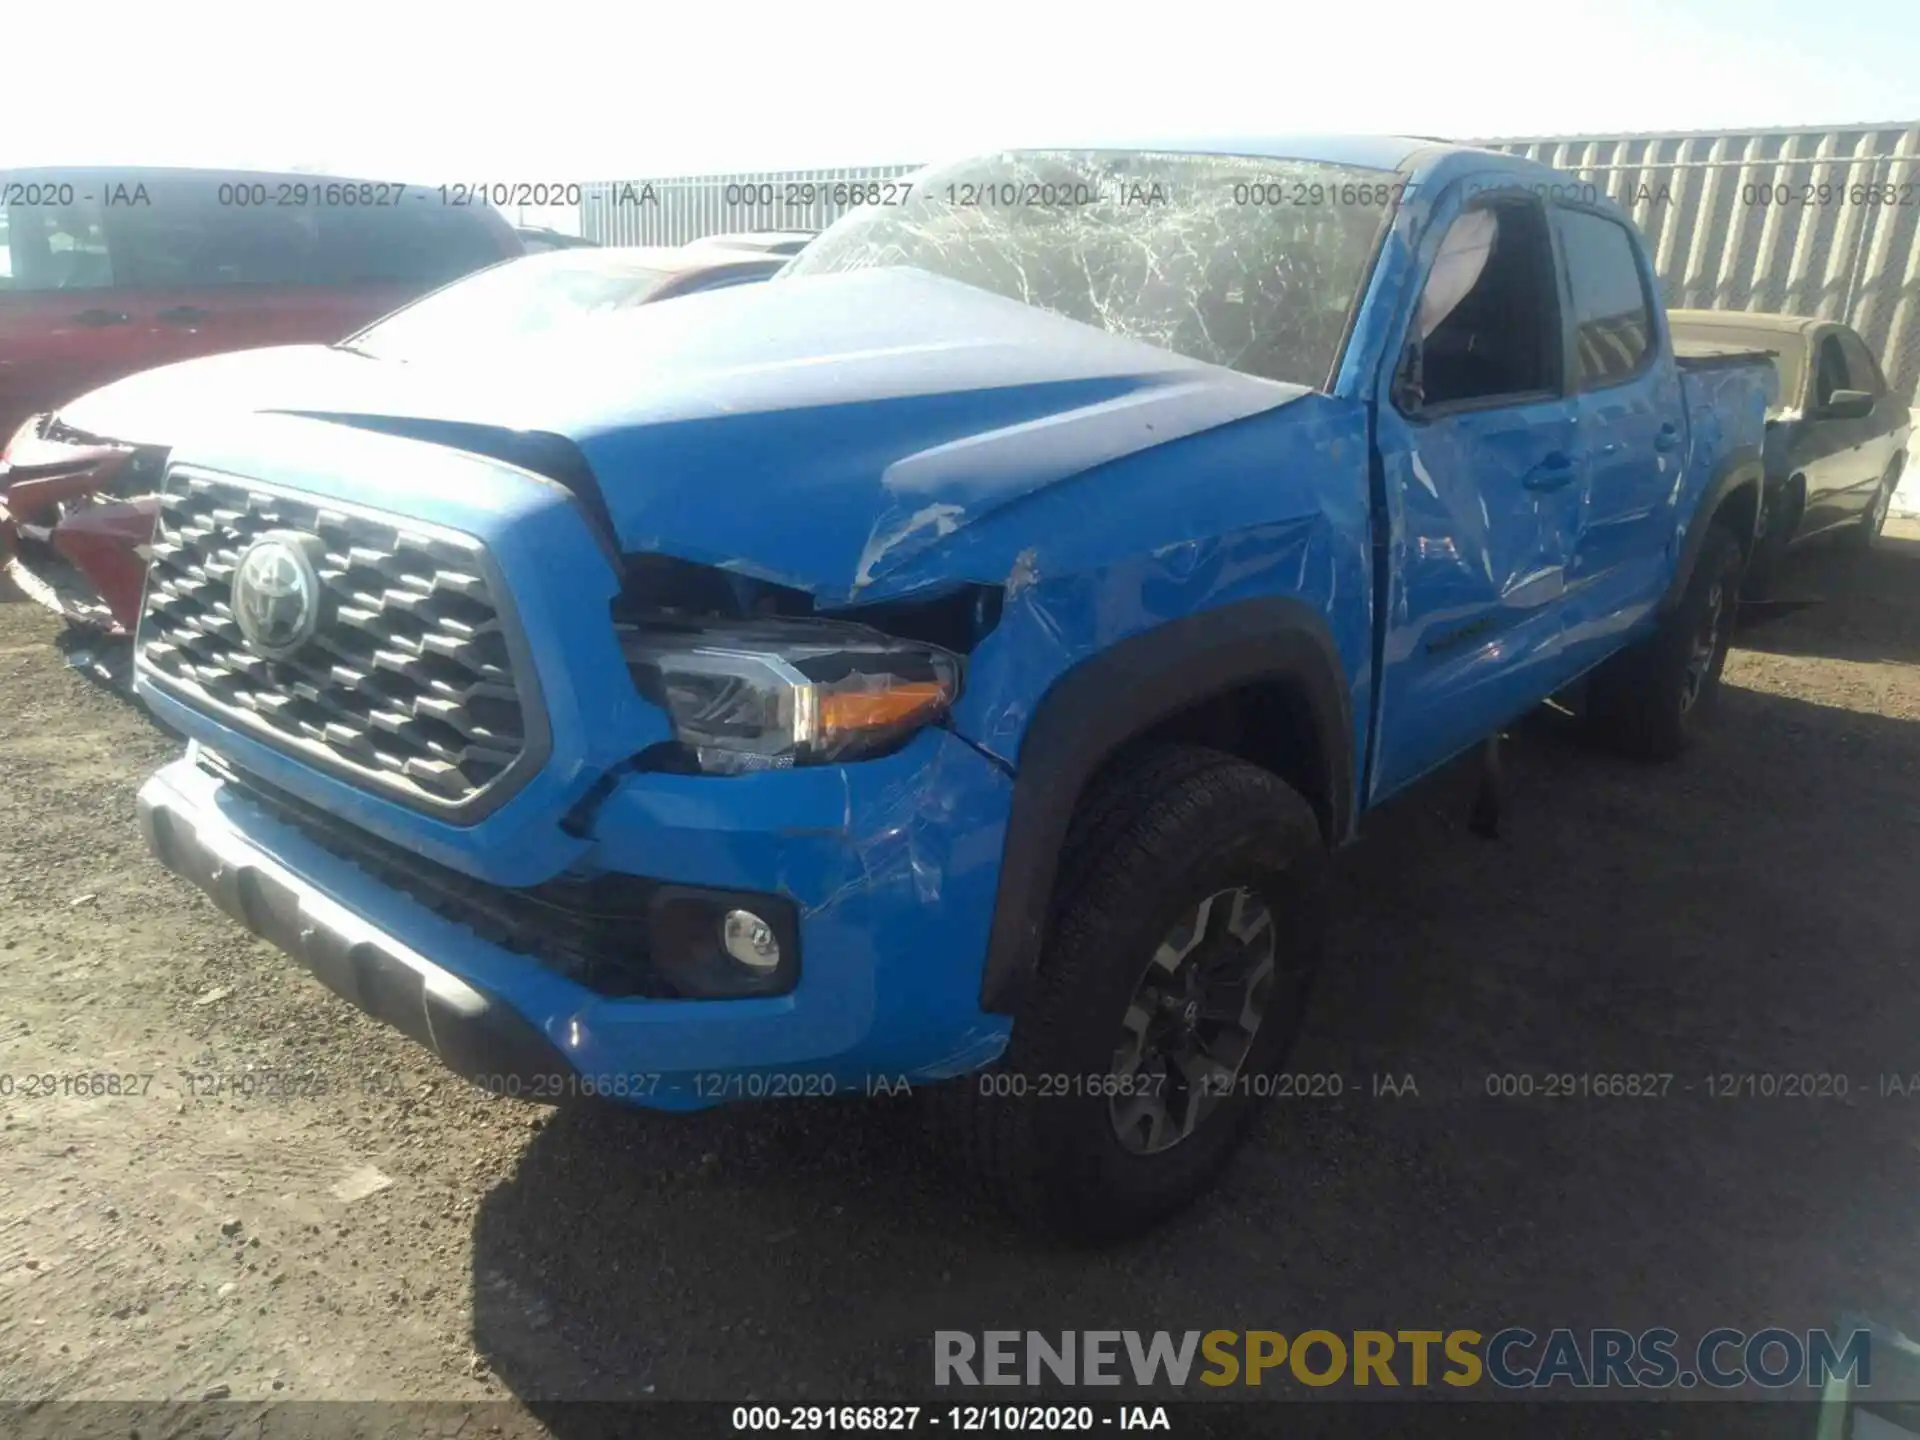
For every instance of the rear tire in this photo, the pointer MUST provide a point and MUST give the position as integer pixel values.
(1652, 701)
(1184, 846)
(1860, 536)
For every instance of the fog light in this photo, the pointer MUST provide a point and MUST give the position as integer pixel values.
(749, 940)
(723, 945)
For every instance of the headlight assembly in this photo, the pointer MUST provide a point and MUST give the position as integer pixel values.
(768, 694)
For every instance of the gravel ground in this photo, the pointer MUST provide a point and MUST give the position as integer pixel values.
(363, 1225)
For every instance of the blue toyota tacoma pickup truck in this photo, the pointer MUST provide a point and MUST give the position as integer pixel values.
(955, 659)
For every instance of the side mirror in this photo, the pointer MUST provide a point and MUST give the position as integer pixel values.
(1847, 405)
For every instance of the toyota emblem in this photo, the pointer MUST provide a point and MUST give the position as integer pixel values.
(276, 594)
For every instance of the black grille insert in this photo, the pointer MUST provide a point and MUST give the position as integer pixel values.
(409, 684)
(594, 932)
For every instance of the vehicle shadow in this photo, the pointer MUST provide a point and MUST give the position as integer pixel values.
(1742, 913)
(104, 660)
(1832, 603)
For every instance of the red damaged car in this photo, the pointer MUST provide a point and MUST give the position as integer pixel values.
(107, 272)
(77, 483)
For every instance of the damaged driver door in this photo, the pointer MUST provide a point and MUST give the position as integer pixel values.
(1484, 475)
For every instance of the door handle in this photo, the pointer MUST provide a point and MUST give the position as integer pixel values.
(101, 317)
(1667, 437)
(181, 315)
(1551, 473)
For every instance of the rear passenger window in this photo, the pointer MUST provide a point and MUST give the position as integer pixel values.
(414, 243)
(1612, 314)
(49, 247)
(187, 239)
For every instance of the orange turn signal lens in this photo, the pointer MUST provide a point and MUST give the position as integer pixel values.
(876, 709)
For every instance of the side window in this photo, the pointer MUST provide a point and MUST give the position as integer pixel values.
(47, 247)
(1489, 317)
(1830, 371)
(186, 239)
(1612, 316)
(1863, 371)
(387, 244)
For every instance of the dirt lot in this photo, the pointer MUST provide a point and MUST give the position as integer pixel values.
(1751, 910)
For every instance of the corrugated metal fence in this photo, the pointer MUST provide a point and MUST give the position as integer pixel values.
(1810, 222)
(1804, 222)
(672, 212)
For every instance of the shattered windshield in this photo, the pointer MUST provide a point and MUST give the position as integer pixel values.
(1241, 261)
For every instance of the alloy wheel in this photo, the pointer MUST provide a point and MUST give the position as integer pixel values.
(1192, 1020)
(1706, 645)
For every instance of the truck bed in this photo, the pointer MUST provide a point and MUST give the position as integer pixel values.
(1705, 355)
(1728, 397)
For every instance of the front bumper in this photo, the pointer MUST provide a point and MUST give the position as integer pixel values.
(892, 871)
(474, 1033)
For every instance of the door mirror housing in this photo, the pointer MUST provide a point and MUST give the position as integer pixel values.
(1847, 405)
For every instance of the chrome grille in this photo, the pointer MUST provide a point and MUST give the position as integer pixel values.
(409, 682)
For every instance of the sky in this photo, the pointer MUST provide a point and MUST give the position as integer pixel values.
(558, 90)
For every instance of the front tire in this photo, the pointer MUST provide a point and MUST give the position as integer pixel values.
(1779, 522)
(1186, 931)
(1653, 700)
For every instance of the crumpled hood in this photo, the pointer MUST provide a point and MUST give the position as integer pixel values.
(817, 432)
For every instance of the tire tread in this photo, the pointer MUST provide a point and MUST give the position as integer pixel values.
(1129, 829)
(1633, 700)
